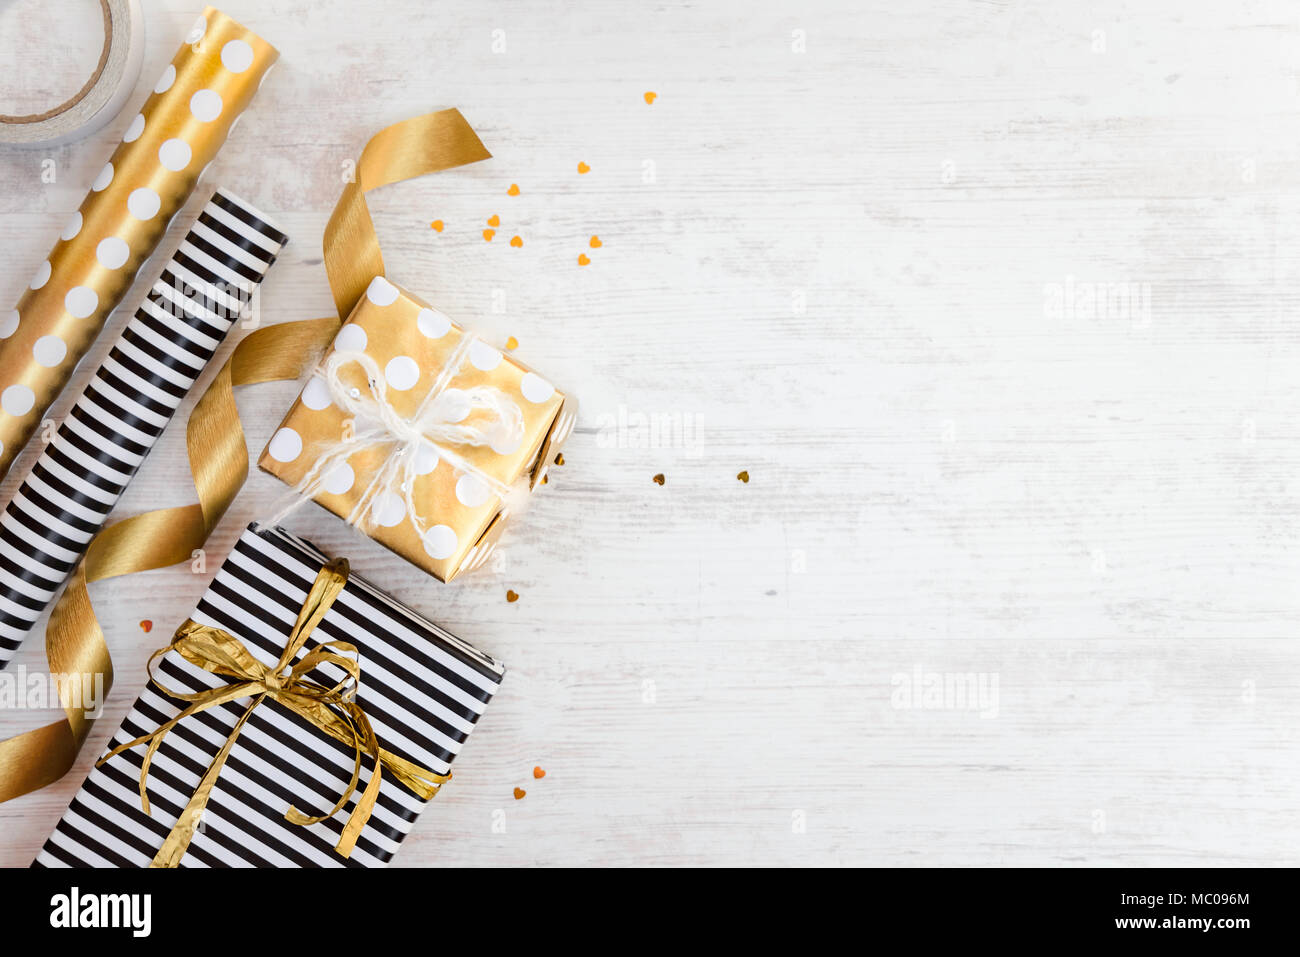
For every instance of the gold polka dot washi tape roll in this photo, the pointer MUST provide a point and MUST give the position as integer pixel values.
(188, 115)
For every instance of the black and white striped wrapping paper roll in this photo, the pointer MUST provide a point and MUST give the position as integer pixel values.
(66, 499)
(422, 688)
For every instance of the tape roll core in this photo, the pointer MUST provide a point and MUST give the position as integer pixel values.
(102, 96)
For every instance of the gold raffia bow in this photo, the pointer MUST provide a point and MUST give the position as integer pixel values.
(332, 709)
(218, 454)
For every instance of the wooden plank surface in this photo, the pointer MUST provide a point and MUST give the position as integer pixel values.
(856, 249)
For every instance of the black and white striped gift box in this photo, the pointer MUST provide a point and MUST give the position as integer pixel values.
(422, 688)
(66, 499)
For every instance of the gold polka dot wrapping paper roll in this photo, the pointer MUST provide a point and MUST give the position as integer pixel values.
(150, 176)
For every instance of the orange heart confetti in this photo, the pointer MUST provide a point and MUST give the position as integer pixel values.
(583, 168)
(436, 225)
(516, 241)
(513, 190)
(538, 773)
(743, 476)
(650, 97)
(583, 260)
(146, 626)
(659, 479)
(519, 794)
(512, 343)
(488, 234)
(595, 242)
(511, 595)
(495, 220)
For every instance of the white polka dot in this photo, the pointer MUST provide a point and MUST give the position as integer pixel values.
(103, 179)
(426, 459)
(49, 351)
(206, 105)
(112, 252)
(196, 32)
(74, 226)
(339, 480)
(535, 388)
(351, 338)
(453, 405)
(175, 155)
(505, 443)
(483, 356)
(286, 445)
(237, 56)
(401, 373)
(166, 80)
(381, 292)
(9, 324)
(388, 509)
(433, 323)
(42, 275)
(143, 203)
(134, 131)
(471, 491)
(440, 541)
(81, 301)
(17, 400)
(316, 395)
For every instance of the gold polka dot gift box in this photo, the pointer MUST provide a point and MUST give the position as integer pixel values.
(184, 122)
(420, 433)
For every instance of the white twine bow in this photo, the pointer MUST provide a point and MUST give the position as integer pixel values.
(437, 425)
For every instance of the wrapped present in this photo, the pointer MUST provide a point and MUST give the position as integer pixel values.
(420, 433)
(301, 718)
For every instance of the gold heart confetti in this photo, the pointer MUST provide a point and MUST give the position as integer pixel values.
(650, 97)
(513, 190)
(488, 234)
(512, 344)
(595, 242)
(583, 168)
(511, 595)
(659, 479)
(583, 260)
(519, 794)
(743, 476)
(538, 773)
(495, 220)
(516, 241)
(436, 225)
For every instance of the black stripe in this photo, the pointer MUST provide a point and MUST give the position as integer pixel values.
(254, 276)
(96, 400)
(189, 295)
(114, 381)
(164, 359)
(237, 239)
(165, 331)
(58, 511)
(147, 375)
(243, 215)
(87, 418)
(59, 455)
(26, 572)
(50, 536)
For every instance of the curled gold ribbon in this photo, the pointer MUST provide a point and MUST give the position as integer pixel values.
(218, 454)
(332, 709)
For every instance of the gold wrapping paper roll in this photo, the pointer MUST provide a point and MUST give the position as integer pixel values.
(151, 174)
(412, 343)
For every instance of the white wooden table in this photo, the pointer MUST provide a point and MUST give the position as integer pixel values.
(850, 249)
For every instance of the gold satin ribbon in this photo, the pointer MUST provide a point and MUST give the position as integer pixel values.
(332, 709)
(218, 454)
